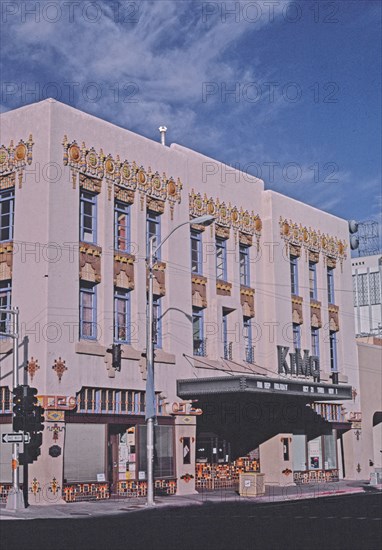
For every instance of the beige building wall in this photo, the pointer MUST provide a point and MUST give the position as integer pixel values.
(45, 277)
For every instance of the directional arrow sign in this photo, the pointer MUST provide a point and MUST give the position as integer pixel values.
(15, 438)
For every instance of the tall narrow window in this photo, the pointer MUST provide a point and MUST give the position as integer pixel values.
(247, 336)
(153, 230)
(122, 226)
(375, 288)
(196, 252)
(227, 346)
(5, 302)
(6, 215)
(197, 332)
(294, 274)
(312, 281)
(363, 291)
(88, 217)
(244, 265)
(315, 346)
(88, 311)
(333, 351)
(122, 315)
(157, 333)
(355, 297)
(330, 279)
(296, 336)
(221, 259)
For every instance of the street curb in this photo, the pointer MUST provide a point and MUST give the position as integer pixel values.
(93, 510)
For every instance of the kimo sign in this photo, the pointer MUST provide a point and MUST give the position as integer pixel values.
(299, 364)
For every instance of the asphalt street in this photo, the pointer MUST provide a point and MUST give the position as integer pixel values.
(337, 522)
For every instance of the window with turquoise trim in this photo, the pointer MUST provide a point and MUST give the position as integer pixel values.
(248, 344)
(198, 332)
(5, 302)
(122, 226)
(88, 311)
(7, 199)
(153, 229)
(330, 279)
(244, 265)
(157, 332)
(221, 259)
(296, 336)
(196, 252)
(312, 281)
(122, 325)
(333, 351)
(294, 274)
(315, 345)
(88, 217)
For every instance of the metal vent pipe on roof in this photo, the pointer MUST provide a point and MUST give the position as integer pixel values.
(163, 131)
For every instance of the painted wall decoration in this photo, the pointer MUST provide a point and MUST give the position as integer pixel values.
(124, 176)
(55, 429)
(54, 451)
(32, 367)
(226, 216)
(59, 367)
(313, 242)
(14, 159)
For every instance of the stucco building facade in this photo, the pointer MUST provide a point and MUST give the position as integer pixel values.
(367, 280)
(255, 357)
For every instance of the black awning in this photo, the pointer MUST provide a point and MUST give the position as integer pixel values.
(309, 391)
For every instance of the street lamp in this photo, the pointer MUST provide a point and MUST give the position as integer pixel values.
(15, 500)
(150, 388)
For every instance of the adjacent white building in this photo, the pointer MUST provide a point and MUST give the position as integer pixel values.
(367, 293)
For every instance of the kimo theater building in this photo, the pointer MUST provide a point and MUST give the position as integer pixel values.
(255, 360)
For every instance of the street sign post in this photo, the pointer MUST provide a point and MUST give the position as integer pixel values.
(15, 438)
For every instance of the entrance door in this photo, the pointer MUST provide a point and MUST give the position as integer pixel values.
(122, 457)
(113, 461)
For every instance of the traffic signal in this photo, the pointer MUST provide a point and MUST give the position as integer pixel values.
(31, 450)
(18, 413)
(39, 419)
(29, 399)
(354, 240)
(28, 417)
(116, 354)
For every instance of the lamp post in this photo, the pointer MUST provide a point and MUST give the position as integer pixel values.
(15, 500)
(150, 386)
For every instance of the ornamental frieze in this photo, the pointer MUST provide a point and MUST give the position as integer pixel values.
(226, 215)
(314, 242)
(14, 159)
(123, 175)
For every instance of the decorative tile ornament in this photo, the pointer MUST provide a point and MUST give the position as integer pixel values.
(126, 177)
(59, 367)
(226, 216)
(32, 367)
(14, 159)
(54, 486)
(55, 429)
(35, 486)
(313, 242)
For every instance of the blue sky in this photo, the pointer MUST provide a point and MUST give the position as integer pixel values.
(305, 79)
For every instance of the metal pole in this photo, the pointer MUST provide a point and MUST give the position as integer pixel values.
(15, 446)
(150, 388)
(15, 500)
(150, 380)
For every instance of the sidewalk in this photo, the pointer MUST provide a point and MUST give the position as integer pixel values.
(121, 506)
